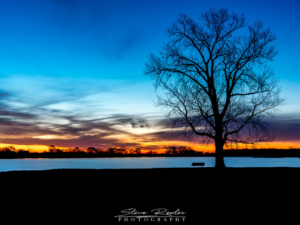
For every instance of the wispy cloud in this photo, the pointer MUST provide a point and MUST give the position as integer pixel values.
(43, 126)
(286, 127)
(77, 118)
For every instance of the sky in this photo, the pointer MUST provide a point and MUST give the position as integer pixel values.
(71, 72)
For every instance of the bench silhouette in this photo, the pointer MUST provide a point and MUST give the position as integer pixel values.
(198, 164)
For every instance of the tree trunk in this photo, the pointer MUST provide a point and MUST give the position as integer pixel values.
(219, 154)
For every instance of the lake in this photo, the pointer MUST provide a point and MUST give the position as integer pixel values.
(143, 162)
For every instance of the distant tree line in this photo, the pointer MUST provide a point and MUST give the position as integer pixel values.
(94, 150)
(54, 152)
(170, 150)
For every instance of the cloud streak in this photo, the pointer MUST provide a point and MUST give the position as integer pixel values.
(41, 125)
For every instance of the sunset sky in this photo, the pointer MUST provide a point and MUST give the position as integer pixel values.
(72, 71)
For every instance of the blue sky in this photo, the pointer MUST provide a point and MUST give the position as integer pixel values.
(68, 60)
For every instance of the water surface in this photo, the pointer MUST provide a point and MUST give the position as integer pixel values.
(143, 162)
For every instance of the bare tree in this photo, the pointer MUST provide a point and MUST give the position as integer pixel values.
(51, 148)
(217, 82)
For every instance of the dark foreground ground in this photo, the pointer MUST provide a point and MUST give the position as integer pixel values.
(235, 195)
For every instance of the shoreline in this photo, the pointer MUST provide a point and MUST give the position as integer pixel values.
(150, 156)
(258, 153)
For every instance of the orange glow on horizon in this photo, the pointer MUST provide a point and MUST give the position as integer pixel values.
(159, 147)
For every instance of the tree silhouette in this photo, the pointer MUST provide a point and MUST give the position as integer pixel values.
(137, 151)
(91, 150)
(217, 82)
(52, 148)
(76, 149)
(111, 151)
(131, 151)
(171, 150)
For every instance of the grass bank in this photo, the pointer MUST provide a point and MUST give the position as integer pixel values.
(259, 195)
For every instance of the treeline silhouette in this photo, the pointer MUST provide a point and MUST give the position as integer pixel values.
(54, 152)
(171, 151)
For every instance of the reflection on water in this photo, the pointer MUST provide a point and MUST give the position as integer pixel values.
(143, 162)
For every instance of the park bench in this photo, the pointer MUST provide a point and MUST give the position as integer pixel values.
(198, 164)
